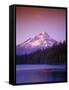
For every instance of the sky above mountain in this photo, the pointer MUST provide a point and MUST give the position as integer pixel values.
(31, 21)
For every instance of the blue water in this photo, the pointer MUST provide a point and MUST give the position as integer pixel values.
(40, 73)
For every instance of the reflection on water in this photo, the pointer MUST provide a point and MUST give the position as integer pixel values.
(40, 75)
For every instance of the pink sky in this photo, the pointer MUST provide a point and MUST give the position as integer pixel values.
(31, 21)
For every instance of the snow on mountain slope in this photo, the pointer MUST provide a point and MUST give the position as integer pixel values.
(40, 41)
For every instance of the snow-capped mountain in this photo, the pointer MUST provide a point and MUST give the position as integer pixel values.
(40, 41)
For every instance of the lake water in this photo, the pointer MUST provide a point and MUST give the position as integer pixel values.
(40, 73)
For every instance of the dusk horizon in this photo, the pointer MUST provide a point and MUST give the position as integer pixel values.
(31, 21)
(38, 34)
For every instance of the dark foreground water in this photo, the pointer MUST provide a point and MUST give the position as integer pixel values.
(40, 73)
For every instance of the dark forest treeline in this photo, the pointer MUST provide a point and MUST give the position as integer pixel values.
(51, 55)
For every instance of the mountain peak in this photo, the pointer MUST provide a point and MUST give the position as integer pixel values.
(42, 36)
(41, 40)
(42, 33)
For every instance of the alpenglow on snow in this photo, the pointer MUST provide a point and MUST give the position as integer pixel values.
(40, 41)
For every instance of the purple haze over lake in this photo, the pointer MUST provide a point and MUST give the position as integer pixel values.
(40, 73)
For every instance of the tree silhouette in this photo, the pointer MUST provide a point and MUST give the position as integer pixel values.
(57, 54)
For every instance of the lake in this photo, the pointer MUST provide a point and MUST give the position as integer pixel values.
(40, 73)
